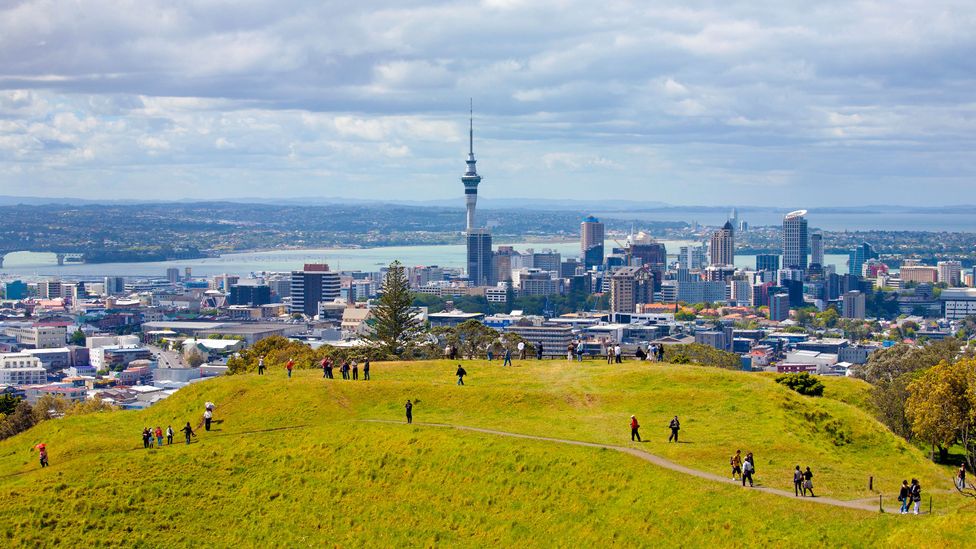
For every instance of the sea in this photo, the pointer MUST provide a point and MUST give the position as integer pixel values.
(34, 266)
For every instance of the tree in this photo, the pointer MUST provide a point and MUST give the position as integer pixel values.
(803, 383)
(8, 403)
(941, 407)
(77, 338)
(194, 357)
(19, 421)
(394, 321)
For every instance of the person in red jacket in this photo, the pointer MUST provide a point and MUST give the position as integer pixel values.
(290, 364)
(634, 426)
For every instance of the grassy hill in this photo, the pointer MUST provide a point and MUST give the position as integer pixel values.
(293, 463)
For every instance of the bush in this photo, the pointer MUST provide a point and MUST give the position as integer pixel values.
(803, 383)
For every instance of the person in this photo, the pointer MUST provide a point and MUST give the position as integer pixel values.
(538, 351)
(798, 482)
(355, 370)
(916, 495)
(447, 351)
(808, 482)
(329, 365)
(460, 375)
(961, 477)
(169, 435)
(521, 350)
(149, 435)
(748, 468)
(617, 352)
(188, 431)
(508, 358)
(409, 407)
(366, 369)
(634, 426)
(345, 369)
(145, 437)
(652, 351)
(289, 365)
(736, 462)
(207, 418)
(452, 352)
(325, 367)
(675, 425)
(579, 351)
(660, 353)
(609, 354)
(488, 352)
(42, 454)
(639, 353)
(159, 435)
(570, 348)
(904, 496)
(261, 366)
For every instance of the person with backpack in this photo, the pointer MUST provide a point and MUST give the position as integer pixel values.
(736, 462)
(169, 435)
(579, 351)
(460, 375)
(634, 426)
(149, 435)
(916, 495)
(675, 425)
(409, 407)
(904, 496)
(288, 365)
(366, 369)
(188, 431)
(748, 469)
(798, 482)
(808, 482)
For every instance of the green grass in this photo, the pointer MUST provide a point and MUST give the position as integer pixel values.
(324, 478)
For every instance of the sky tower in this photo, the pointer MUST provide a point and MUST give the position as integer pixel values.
(471, 177)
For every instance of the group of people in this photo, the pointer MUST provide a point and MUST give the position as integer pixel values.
(575, 350)
(910, 496)
(743, 467)
(655, 352)
(348, 369)
(154, 437)
(802, 482)
(674, 425)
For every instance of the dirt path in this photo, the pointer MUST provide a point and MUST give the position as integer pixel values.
(861, 505)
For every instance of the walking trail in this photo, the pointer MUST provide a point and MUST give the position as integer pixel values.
(861, 505)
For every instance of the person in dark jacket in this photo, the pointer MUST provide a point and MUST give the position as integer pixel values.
(675, 425)
(366, 369)
(460, 375)
(748, 468)
(145, 437)
(905, 497)
(915, 491)
(188, 431)
(355, 370)
(634, 426)
(538, 351)
(409, 407)
(808, 482)
(798, 482)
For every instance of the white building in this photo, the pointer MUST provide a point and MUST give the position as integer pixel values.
(950, 272)
(958, 303)
(21, 369)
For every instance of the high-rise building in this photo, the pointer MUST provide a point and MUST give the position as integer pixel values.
(49, 289)
(918, 273)
(722, 248)
(858, 256)
(853, 305)
(691, 257)
(172, 275)
(114, 285)
(592, 235)
(779, 307)
(480, 271)
(816, 249)
(249, 294)
(313, 285)
(795, 240)
(950, 272)
(767, 262)
(628, 287)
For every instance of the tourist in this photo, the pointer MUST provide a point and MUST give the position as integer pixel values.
(460, 375)
(538, 351)
(736, 462)
(639, 353)
(579, 351)
(409, 407)
(521, 350)
(325, 367)
(366, 369)
(675, 425)
(508, 358)
(145, 437)
(904, 496)
(344, 369)
(188, 431)
(634, 426)
(169, 434)
(748, 468)
(609, 354)
(570, 348)
(660, 353)
(329, 365)
(808, 482)
(618, 354)
(289, 365)
(798, 482)
(355, 370)
(207, 418)
(488, 352)
(159, 435)
(447, 351)
(42, 454)
(961, 477)
(261, 366)
(915, 491)
(652, 352)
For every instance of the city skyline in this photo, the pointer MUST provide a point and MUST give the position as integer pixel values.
(685, 105)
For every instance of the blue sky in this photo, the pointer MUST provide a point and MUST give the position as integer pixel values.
(714, 103)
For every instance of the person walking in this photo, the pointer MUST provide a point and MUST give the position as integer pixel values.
(169, 435)
(188, 431)
(42, 454)
(798, 482)
(675, 425)
(521, 350)
(748, 469)
(617, 354)
(409, 407)
(460, 375)
(634, 426)
(289, 365)
(609, 354)
(904, 496)
(915, 491)
(366, 369)
(145, 437)
(808, 482)
(538, 351)
(207, 418)
(961, 477)
(488, 352)
(736, 462)
(508, 358)
(159, 435)
(261, 366)
(355, 370)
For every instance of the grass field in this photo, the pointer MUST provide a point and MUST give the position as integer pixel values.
(292, 464)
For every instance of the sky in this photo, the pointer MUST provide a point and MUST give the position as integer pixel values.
(712, 103)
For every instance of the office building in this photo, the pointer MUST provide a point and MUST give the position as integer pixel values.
(592, 235)
(816, 249)
(918, 273)
(480, 271)
(692, 257)
(767, 262)
(49, 289)
(173, 275)
(853, 305)
(858, 256)
(21, 369)
(114, 285)
(249, 294)
(722, 246)
(15, 289)
(779, 307)
(795, 240)
(958, 303)
(950, 272)
(313, 285)
(628, 287)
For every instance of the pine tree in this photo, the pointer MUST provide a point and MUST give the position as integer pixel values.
(394, 321)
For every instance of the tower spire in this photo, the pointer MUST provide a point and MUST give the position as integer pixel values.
(471, 129)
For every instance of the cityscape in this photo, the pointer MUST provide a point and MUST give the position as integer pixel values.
(506, 347)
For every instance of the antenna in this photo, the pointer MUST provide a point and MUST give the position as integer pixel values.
(471, 127)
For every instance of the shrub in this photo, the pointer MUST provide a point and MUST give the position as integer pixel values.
(803, 383)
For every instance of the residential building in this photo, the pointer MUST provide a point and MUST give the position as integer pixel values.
(779, 307)
(816, 249)
(114, 285)
(49, 289)
(628, 287)
(853, 305)
(553, 338)
(920, 274)
(722, 246)
(40, 336)
(592, 236)
(313, 285)
(21, 369)
(173, 275)
(249, 294)
(795, 240)
(950, 272)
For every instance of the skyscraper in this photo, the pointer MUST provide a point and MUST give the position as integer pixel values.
(471, 179)
(722, 247)
(767, 262)
(311, 286)
(795, 240)
(591, 241)
(480, 272)
(858, 256)
(816, 249)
